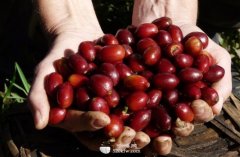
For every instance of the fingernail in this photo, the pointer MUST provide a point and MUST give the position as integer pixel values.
(163, 146)
(163, 143)
(99, 123)
(200, 110)
(126, 139)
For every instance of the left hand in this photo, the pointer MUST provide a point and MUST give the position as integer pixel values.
(223, 59)
(163, 144)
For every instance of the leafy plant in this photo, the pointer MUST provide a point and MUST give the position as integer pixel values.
(230, 40)
(13, 92)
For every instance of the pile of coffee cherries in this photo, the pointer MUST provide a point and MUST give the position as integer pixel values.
(144, 77)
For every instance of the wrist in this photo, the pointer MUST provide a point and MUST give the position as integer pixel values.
(181, 12)
(66, 17)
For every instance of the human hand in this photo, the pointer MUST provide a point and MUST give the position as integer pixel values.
(184, 14)
(221, 58)
(202, 111)
(75, 121)
(71, 22)
(38, 100)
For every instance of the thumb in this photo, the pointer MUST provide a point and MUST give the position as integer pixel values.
(77, 121)
(223, 86)
(38, 103)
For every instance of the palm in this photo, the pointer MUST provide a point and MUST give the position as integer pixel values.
(67, 43)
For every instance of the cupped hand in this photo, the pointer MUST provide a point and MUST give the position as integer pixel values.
(163, 144)
(75, 121)
(221, 58)
(71, 22)
(38, 101)
(63, 45)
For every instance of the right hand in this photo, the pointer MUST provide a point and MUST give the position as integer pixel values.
(75, 121)
(38, 101)
(71, 22)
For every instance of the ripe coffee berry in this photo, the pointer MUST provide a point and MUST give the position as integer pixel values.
(148, 77)
(115, 128)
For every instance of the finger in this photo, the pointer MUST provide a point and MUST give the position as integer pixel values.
(141, 139)
(202, 111)
(77, 121)
(163, 145)
(124, 140)
(38, 101)
(182, 128)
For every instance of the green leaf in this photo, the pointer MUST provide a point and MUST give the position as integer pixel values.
(17, 97)
(5, 88)
(23, 78)
(9, 88)
(20, 88)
